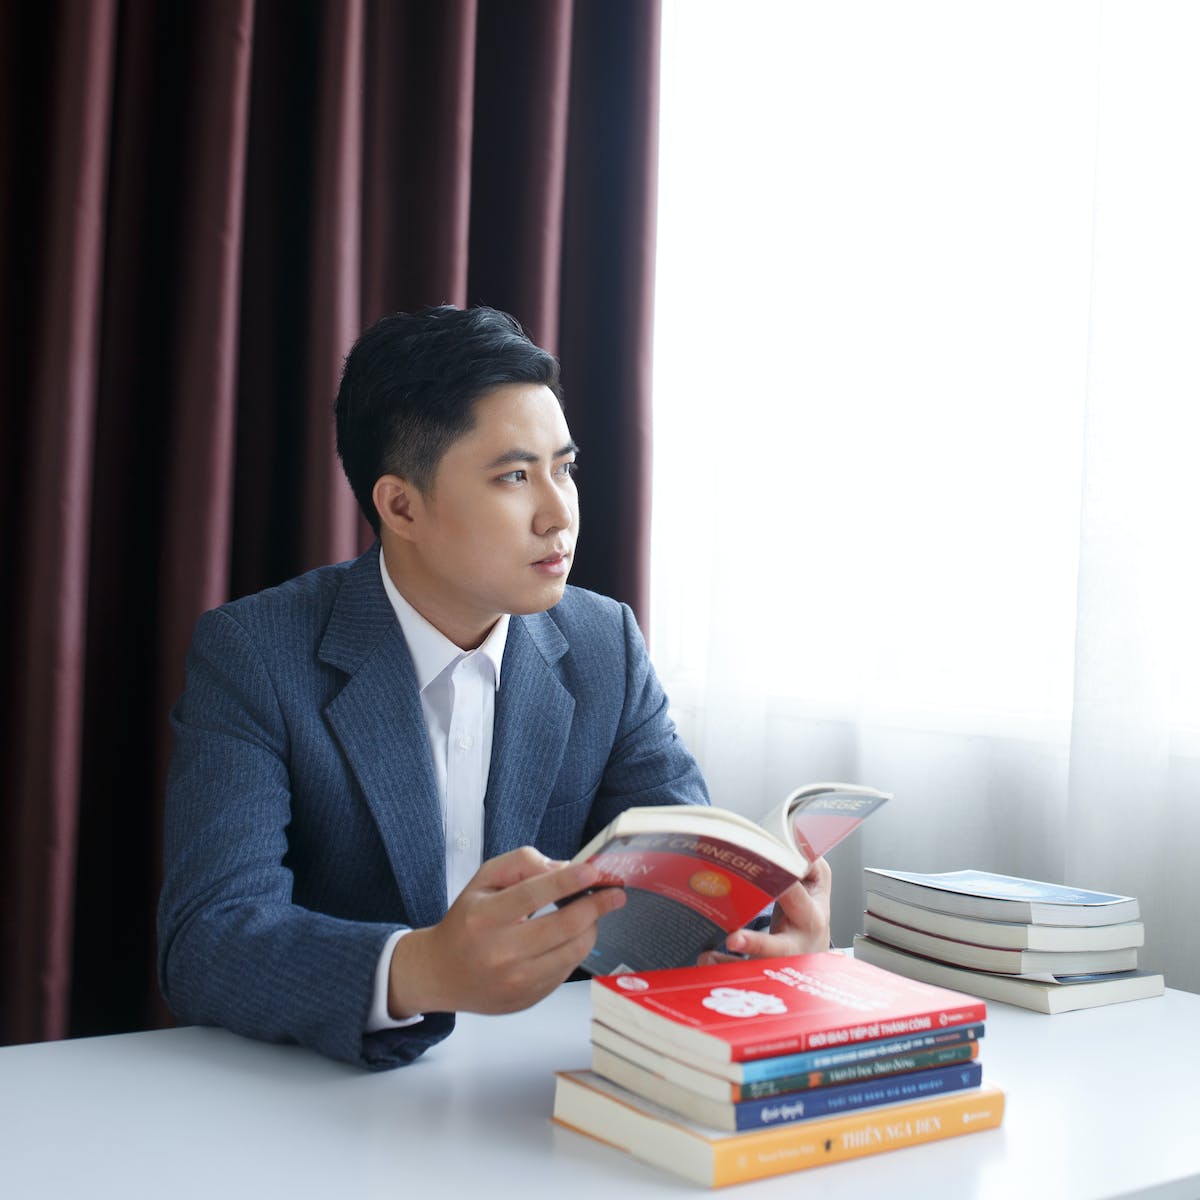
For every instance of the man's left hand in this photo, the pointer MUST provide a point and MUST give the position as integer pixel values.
(799, 925)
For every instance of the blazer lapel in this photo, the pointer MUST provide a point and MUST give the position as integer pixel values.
(378, 721)
(533, 719)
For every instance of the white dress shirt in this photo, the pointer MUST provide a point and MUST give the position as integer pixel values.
(458, 698)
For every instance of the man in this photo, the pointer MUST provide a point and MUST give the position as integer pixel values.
(381, 767)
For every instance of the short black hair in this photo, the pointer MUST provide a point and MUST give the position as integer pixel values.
(409, 386)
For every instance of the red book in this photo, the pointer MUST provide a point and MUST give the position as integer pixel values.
(694, 873)
(763, 1007)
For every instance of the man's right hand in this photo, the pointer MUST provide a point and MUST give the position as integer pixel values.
(490, 953)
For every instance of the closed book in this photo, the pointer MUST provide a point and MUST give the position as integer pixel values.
(1016, 935)
(958, 1047)
(1003, 897)
(760, 1008)
(1065, 995)
(766, 1069)
(1001, 960)
(585, 1102)
(776, 1110)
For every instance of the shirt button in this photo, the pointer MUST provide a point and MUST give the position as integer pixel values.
(465, 741)
(462, 842)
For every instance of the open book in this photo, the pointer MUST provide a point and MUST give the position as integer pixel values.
(692, 874)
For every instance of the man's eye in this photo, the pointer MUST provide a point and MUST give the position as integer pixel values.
(512, 477)
(568, 468)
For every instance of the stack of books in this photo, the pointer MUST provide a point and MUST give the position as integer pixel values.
(753, 1068)
(1038, 945)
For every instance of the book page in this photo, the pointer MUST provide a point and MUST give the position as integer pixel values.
(816, 817)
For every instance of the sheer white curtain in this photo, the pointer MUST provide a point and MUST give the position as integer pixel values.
(926, 396)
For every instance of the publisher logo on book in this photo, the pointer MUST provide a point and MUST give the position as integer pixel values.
(710, 883)
(631, 983)
(739, 1002)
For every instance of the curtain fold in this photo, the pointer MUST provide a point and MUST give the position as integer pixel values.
(50, 619)
(208, 203)
(417, 175)
(198, 513)
(609, 218)
(329, 516)
(522, 187)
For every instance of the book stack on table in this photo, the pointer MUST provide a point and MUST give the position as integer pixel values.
(1039, 945)
(746, 1069)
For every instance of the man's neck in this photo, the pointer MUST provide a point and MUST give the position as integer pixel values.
(394, 559)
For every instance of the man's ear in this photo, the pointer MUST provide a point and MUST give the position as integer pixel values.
(397, 502)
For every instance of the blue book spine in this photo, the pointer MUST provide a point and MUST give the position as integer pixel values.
(822, 1060)
(824, 1102)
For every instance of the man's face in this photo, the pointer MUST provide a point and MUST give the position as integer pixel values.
(496, 531)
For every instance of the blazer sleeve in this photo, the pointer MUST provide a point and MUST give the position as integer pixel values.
(649, 762)
(233, 948)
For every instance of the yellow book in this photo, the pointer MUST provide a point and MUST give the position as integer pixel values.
(588, 1104)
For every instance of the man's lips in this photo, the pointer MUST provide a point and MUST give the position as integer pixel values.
(553, 564)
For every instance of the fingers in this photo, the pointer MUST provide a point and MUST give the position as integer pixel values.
(555, 942)
(563, 925)
(805, 904)
(819, 880)
(531, 956)
(755, 944)
(800, 923)
(711, 957)
(805, 912)
(489, 953)
(525, 881)
(514, 867)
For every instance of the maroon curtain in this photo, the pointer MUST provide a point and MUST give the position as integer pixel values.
(203, 205)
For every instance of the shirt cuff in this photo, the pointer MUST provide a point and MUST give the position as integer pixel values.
(379, 1018)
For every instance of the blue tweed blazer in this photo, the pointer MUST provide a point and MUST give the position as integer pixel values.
(302, 819)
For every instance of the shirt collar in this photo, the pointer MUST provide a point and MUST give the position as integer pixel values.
(432, 652)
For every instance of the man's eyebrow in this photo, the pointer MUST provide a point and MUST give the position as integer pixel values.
(517, 455)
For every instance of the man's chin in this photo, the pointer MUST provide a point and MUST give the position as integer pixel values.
(546, 598)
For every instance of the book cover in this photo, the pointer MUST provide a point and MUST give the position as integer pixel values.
(705, 1083)
(815, 817)
(860, 1072)
(694, 874)
(767, 1075)
(759, 1113)
(1065, 995)
(1003, 897)
(684, 892)
(1000, 960)
(593, 1106)
(759, 1008)
(1016, 935)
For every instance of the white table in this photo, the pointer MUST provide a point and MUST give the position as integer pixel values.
(1100, 1104)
